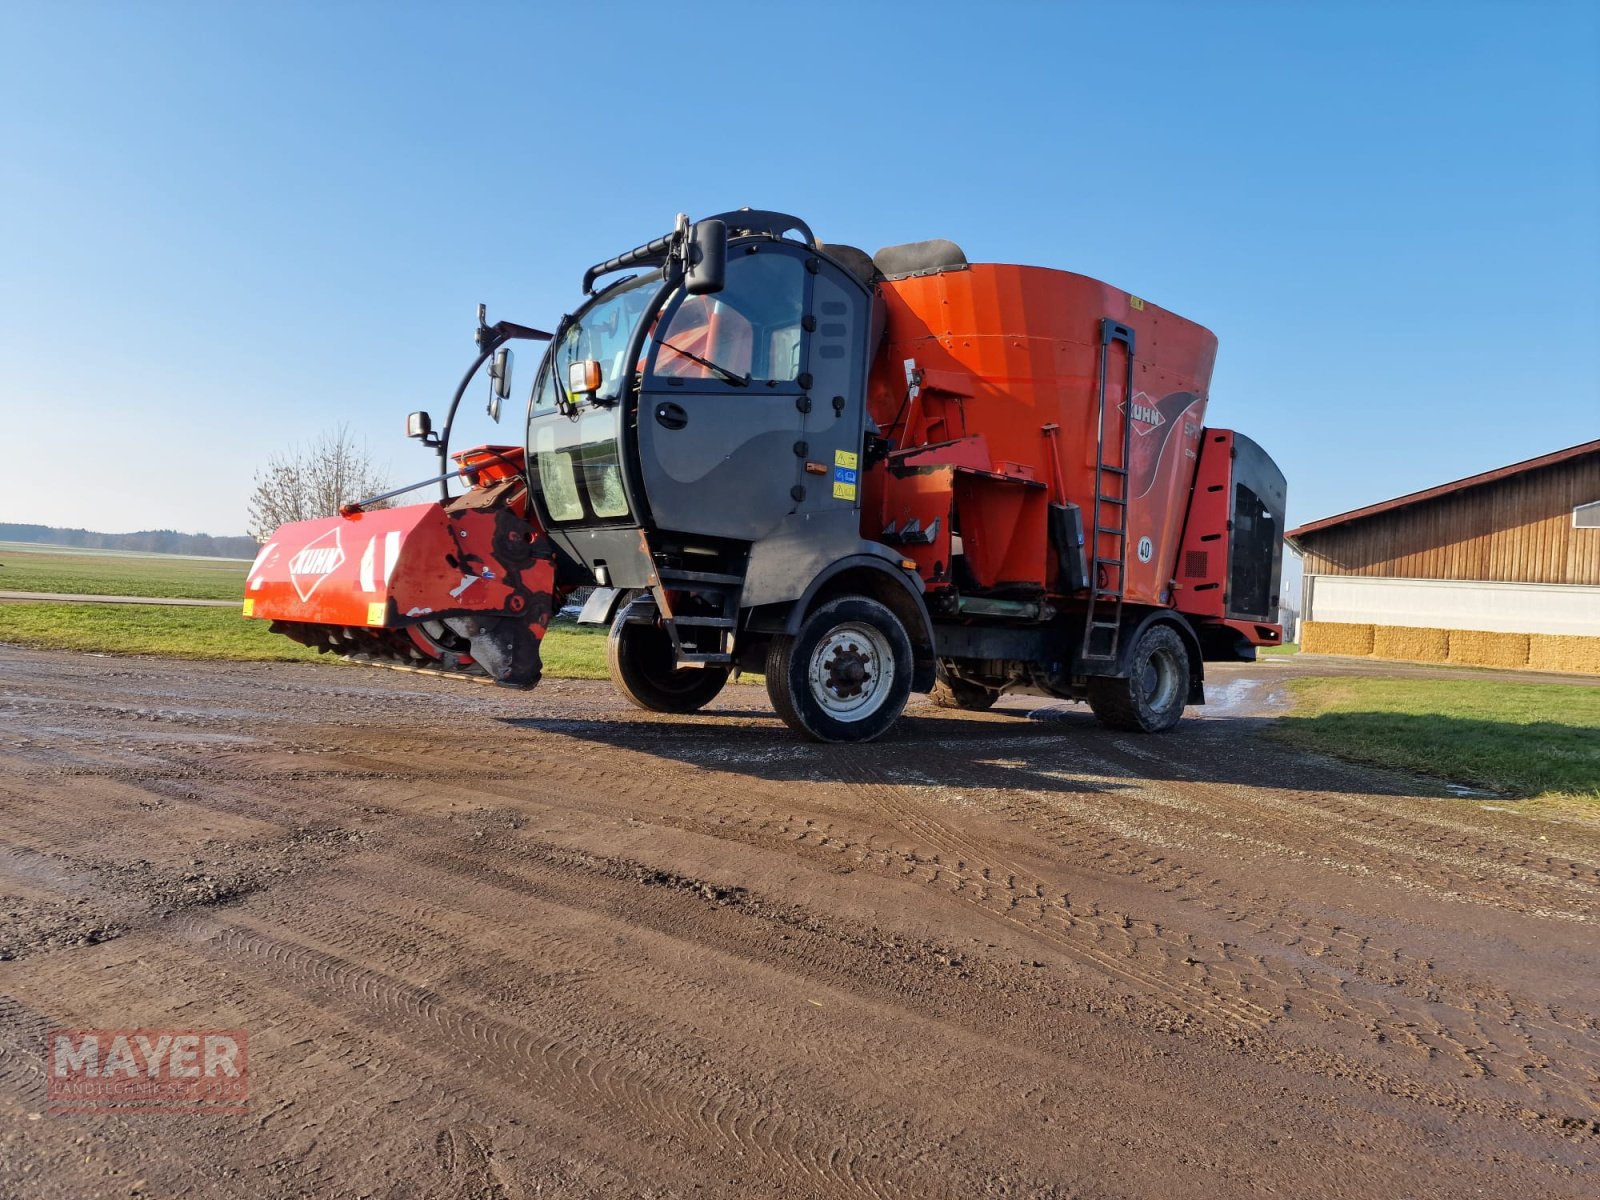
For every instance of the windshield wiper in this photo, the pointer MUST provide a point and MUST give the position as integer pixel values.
(719, 372)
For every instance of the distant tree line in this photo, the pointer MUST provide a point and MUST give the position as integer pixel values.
(151, 541)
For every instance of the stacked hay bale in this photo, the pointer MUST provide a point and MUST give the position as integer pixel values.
(1410, 644)
(1335, 637)
(1553, 652)
(1477, 648)
(1463, 647)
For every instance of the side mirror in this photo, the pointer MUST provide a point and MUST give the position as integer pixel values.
(708, 259)
(499, 380)
(419, 425)
(583, 377)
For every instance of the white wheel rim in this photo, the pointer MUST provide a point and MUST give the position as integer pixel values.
(851, 671)
(1158, 680)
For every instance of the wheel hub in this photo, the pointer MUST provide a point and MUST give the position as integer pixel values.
(847, 671)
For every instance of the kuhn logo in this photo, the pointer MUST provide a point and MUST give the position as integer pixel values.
(315, 562)
(1147, 417)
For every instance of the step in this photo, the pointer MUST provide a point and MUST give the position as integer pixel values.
(707, 622)
(677, 575)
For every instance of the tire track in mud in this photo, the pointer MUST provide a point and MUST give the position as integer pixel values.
(552, 1066)
(1561, 1049)
(1449, 852)
(1294, 979)
(356, 1088)
(23, 1034)
(1304, 980)
(1108, 941)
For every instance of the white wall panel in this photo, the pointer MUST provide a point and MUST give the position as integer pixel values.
(1454, 604)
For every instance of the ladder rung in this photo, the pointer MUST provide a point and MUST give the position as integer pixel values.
(1109, 529)
(706, 622)
(1110, 470)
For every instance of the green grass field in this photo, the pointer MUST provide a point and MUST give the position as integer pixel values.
(28, 568)
(1521, 740)
(195, 633)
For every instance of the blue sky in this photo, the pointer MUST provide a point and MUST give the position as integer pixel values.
(229, 228)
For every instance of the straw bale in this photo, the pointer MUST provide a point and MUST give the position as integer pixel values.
(1334, 637)
(1556, 652)
(1410, 644)
(1479, 648)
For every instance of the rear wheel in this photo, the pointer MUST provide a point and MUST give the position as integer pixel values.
(845, 676)
(950, 692)
(1152, 698)
(643, 669)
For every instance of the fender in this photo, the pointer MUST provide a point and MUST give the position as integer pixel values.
(1191, 643)
(601, 606)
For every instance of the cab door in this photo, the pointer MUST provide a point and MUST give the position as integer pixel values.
(719, 416)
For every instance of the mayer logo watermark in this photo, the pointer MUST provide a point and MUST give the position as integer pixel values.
(147, 1070)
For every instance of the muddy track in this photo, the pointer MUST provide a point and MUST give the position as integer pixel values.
(491, 946)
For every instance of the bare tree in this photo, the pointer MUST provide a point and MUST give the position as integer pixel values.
(312, 481)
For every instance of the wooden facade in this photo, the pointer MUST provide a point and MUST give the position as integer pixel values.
(1515, 527)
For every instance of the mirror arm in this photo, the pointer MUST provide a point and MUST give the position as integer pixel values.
(450, 418)
(492, 337)
(489, 339)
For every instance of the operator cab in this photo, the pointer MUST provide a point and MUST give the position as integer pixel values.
(717, 411)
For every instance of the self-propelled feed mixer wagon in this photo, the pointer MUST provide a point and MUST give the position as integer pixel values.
(859, 476)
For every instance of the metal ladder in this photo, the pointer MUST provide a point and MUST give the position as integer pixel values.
(727, 590)
(1102, 626)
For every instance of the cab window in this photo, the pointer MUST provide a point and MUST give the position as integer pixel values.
(750, 328)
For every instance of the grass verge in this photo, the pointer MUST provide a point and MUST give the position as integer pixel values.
(570, 651)
(1277, 651)
(197, 633)
(1524, 741)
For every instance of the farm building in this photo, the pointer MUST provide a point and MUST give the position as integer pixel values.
(1500, 569)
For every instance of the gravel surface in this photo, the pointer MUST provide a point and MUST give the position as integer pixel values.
(502, 945)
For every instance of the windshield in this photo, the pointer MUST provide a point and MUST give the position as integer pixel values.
(603, 334)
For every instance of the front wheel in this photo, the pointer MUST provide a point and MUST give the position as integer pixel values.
(845, 676)
(643, 669)
(1152, 698)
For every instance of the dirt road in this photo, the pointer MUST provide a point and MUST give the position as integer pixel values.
(500, 945)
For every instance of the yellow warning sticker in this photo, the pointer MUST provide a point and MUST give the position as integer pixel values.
(376, 611)
(844, 458)
(1136, 304)
(844, 491)
(249, 609)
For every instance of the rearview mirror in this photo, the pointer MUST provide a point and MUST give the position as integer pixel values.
(708, 258)
(419, 425)
(499, 380)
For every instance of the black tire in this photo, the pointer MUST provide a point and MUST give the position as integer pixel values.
(949, 692)
(640, 661)
(845, 676)
(1153, 697)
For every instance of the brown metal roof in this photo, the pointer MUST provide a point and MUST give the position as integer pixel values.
(1445, 489)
